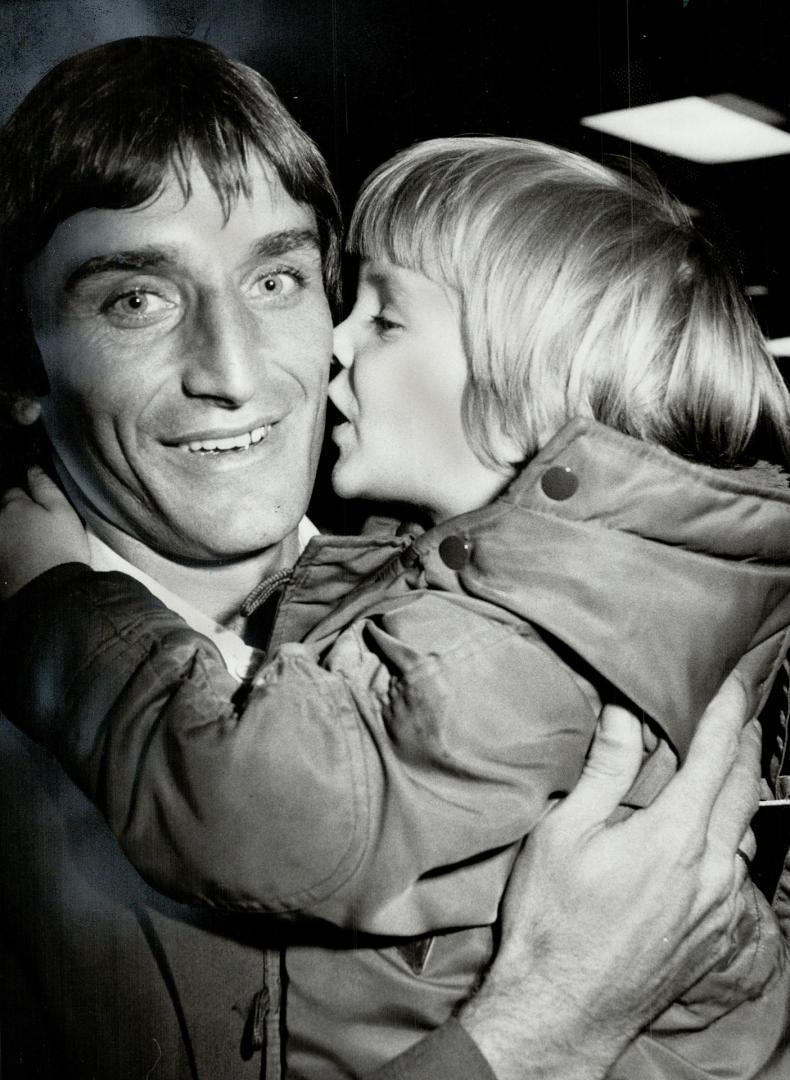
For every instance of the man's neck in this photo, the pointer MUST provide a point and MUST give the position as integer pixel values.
(215, 589)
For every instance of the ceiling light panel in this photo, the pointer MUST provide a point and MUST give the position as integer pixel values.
(696, 129)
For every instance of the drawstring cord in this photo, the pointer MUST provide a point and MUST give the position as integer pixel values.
(267, 588)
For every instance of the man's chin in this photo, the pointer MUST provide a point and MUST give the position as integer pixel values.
(227, 548)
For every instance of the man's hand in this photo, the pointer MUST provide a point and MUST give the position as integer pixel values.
(38, 530)
(605, 924)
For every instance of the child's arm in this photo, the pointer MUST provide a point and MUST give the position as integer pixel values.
(431, 737)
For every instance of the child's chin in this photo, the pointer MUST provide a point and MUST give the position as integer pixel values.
(348, 484)
(343, 482)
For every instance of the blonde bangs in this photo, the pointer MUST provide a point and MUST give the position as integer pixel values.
(405, 217)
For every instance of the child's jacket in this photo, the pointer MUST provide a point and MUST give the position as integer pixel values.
(380, 773)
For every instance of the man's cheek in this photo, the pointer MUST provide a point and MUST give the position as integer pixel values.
(311, 327)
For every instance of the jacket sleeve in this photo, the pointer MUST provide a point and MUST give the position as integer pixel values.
(385, 788)
(734, 1023)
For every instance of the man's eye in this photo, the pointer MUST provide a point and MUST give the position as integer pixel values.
(277, 284)
(136, 306)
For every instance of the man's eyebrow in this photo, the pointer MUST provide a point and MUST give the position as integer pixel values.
(143, 258)
(275, 244)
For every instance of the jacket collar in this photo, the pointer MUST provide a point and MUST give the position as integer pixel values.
(241, 660)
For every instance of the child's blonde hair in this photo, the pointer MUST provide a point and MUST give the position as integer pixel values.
(582, 292)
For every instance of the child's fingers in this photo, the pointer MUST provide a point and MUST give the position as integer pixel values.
(44, 491)
(13, 495)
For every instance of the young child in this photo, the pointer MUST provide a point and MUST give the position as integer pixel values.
(547, 361)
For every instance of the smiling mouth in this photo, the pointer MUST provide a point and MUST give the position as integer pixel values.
(233, 444)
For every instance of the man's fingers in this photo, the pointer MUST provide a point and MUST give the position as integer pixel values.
(746, 850)
(737, 802)
(611, 767)
(748, 845)
(44, 491)
(712, 754)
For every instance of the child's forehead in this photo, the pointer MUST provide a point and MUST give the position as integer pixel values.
(404, 282)
(421, 246)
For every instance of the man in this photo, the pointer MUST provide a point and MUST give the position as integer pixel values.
(169, 241)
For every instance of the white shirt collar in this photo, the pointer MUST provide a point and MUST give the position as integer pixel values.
(241, 660)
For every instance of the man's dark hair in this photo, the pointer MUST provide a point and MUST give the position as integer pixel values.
(103, 129)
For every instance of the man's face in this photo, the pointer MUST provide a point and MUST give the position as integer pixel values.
(187, 361)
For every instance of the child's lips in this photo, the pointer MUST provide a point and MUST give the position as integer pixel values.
(342, 432)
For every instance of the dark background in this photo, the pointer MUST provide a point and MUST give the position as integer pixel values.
(368, 77)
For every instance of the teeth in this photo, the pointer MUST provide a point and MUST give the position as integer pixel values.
(235, 442)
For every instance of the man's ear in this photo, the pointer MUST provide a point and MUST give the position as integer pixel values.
(26, 410)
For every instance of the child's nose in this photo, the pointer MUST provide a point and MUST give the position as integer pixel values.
(339, 389)
(343, 348)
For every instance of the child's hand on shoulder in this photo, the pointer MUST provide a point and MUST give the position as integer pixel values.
(38, 530)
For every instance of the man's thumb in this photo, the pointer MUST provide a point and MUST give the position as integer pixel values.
(611, 766)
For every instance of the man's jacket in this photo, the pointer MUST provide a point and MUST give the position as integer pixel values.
(380, 772)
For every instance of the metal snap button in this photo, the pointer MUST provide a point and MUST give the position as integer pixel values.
(559, 483)
(455, 552)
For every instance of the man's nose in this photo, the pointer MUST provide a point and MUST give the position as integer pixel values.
(225, 354)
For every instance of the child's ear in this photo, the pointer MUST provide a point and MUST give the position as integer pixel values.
(26, 410)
